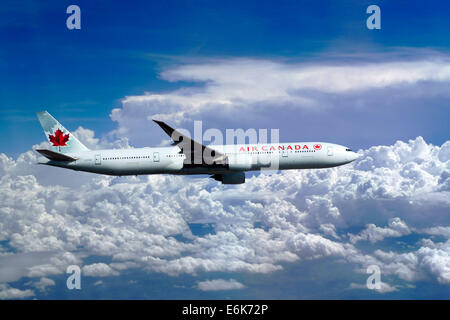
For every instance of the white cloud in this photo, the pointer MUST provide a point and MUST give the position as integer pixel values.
(219, 284)
(437, 261)
(439, 231)
(7, 292)
(301, 215)
(42, 284)
(384, 287)
(99, 270)
(266, 75)
(14, 266)
(329, 229)
(87, 137)
(396, 228)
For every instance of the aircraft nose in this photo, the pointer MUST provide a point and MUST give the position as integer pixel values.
(353, 156)
(350, 155)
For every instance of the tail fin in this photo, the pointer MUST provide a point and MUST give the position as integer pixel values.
(61, 140)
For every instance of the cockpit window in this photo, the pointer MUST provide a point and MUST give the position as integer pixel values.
(348, 149)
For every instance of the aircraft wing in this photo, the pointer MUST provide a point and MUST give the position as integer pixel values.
(195, 152)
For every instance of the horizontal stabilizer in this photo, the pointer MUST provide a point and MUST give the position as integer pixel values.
(55, 155)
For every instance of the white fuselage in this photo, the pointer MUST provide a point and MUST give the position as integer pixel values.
(249, 157)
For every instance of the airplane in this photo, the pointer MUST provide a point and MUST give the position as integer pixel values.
(224, 163)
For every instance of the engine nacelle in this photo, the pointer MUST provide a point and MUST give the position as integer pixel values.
(240, 162)
(230, 178)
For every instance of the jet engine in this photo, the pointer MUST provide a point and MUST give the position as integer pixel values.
(230, 178)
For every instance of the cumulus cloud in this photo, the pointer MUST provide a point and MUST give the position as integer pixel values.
(87, 137)
(384, 287)
(396, 228)
(219, 284)
(442, 231)
(99, 270)
(437, 261)
(291, 216)
(7, 292)
(42, 284)
(29, 263)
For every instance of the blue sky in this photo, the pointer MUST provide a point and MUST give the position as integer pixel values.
(79, 76)
(131, 61)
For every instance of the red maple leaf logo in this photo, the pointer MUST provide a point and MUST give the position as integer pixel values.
(59, 139)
